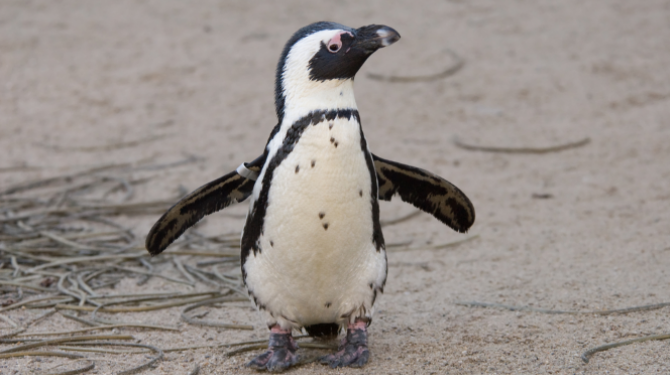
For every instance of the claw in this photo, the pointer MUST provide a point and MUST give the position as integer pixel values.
(281, 353)
(353, 351)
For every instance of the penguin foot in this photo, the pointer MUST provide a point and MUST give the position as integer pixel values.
(353, 351)
(281, 353)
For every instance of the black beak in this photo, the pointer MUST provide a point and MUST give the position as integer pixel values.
(372, 37)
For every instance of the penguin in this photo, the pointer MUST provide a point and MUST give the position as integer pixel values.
(312, 249)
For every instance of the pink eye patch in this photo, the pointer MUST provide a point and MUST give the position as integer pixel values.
(335, 43)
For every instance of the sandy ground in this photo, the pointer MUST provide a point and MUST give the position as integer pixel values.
(157, 80)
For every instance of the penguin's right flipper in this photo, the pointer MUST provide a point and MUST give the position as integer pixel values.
(426, 191)
(234, 187)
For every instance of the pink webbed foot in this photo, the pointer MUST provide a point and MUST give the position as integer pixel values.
(353, 351)
(281, 353)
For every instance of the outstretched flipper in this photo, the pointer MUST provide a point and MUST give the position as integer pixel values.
(234, 187)
(426, 191)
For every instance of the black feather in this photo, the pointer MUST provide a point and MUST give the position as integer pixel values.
(207, 199)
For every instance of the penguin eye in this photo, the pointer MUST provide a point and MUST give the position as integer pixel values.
(333, 47)
(335, 43)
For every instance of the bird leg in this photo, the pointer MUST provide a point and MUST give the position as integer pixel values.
(280, 354)
(353, 349)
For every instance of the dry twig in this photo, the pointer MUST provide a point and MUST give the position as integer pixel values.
(210, 323)
(569, 312)
(522, 150)
(586, 356)
(451, 70)
(434, 247)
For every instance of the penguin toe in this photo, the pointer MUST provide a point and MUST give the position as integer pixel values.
(351, 355)
(274, 360)
(329, 360)
(360, 358)
(281, 353)
(260, 362)
(353, 351)
(332, 360)
(281, 360)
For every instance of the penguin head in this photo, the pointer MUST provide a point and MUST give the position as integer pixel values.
(318, 64)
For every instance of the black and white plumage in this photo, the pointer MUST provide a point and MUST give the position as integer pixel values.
(313, 252)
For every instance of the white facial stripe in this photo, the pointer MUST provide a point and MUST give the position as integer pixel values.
(303, 95)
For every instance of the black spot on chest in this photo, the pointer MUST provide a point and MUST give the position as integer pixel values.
(256, 218)
(333, 141)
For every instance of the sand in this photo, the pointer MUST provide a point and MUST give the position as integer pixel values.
(90, 82)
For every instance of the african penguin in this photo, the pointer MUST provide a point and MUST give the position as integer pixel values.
(312, 248)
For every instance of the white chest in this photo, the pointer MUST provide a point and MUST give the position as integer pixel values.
(319, 203)
(317, 255)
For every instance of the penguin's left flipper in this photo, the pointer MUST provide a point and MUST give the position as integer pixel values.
(234, 187)
(426, 191)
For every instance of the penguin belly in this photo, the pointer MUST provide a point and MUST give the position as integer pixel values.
(317, 261)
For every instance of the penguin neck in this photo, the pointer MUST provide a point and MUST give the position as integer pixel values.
(310, 97)
(317, 95)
